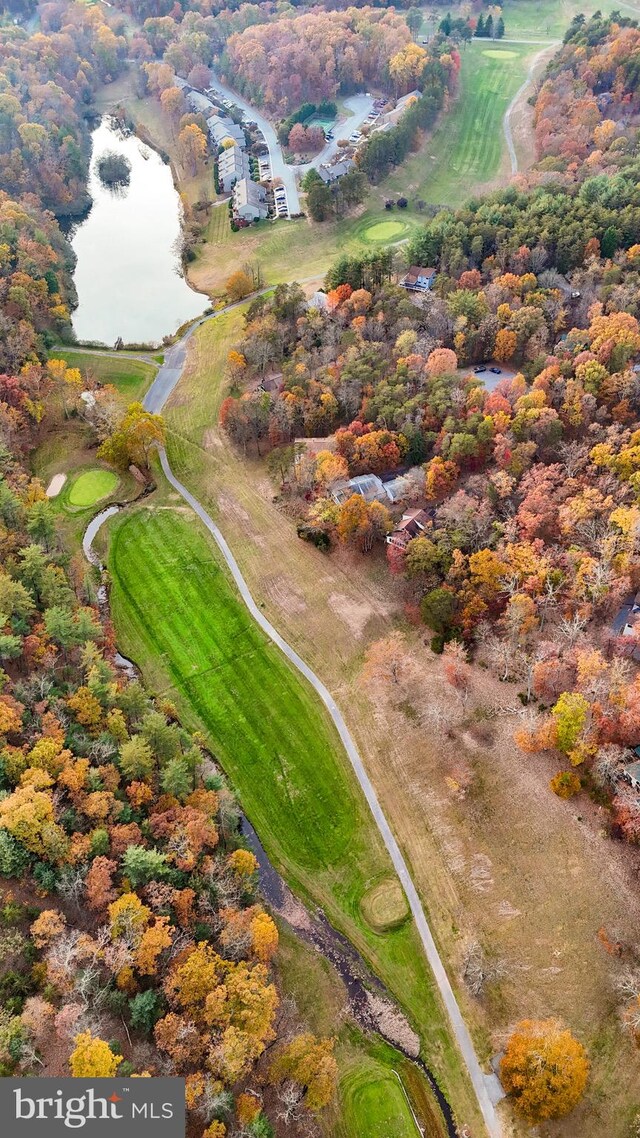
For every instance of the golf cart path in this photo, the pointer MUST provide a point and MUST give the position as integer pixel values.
(486, 1086)
(506, 122)
(115, 355)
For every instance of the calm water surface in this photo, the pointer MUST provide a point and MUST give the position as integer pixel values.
(128, 274)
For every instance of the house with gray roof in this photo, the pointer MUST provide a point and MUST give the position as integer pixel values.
(220, 128)
(233, 165)
(338, 170)
(249, 200)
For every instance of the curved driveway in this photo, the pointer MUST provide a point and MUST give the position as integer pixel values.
(279, 168)
(359, 105)
(487, 1087)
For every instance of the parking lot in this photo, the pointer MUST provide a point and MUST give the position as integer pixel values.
(490, 373)
(280, 202)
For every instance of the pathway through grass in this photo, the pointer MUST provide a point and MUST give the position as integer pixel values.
(179, 617)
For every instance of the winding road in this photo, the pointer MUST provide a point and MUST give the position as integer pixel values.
(279, 168)
(486, 1086)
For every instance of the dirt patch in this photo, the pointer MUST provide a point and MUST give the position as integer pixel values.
(55, 485)
(393, 1025)
(212, 440)
(294, 913)
(355, 614)
(281, 590)
(231, 508)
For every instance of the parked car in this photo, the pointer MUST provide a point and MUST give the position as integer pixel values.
(479, 369)
(496, 370)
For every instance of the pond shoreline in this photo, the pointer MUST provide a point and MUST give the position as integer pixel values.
(129, 272)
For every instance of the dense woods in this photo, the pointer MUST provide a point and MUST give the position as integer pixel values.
(48, 82)
(312, 56)
(585, 111)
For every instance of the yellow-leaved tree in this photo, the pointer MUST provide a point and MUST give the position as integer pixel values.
(544, 1069)
(92, 1058)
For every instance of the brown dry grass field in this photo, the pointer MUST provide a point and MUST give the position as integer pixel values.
(497, 857)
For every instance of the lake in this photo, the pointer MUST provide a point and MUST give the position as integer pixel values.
(129, 275)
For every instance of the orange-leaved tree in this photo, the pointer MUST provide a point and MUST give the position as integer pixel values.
(544, 1069)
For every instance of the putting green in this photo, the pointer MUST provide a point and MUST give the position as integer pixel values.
(374, 1102)
(91, 487)
(385, 231)
(493, 54)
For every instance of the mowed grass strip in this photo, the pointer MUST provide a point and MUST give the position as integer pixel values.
(270, 731)
(179, 617)
(131, 377)
(468, 148)
(373, 1101)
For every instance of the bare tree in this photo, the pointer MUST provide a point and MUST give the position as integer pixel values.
(573, 455)
(607, 764)
(477, 971)
(572, 628)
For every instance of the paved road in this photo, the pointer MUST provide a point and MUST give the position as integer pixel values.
(506, 122)
(359, 105)
(487, 1087)
(279, 168)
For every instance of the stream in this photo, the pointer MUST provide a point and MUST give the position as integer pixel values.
(370, 1004)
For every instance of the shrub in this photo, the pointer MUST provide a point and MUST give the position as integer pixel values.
(565, 784)
(14, 859)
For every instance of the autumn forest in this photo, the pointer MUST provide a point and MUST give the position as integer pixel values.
(422, 500)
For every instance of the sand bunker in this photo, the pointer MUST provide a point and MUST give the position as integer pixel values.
(55, 485)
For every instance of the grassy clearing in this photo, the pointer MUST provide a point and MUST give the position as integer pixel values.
(131, 377)
(546, 20)
(179, 618)
(467, 151)
(372, 1098)
(385, 231)
(385, 906)
(91, 487)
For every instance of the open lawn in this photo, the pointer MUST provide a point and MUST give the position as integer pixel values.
(91, 487)
(527, 20)
(180, 619)
(131, 377)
